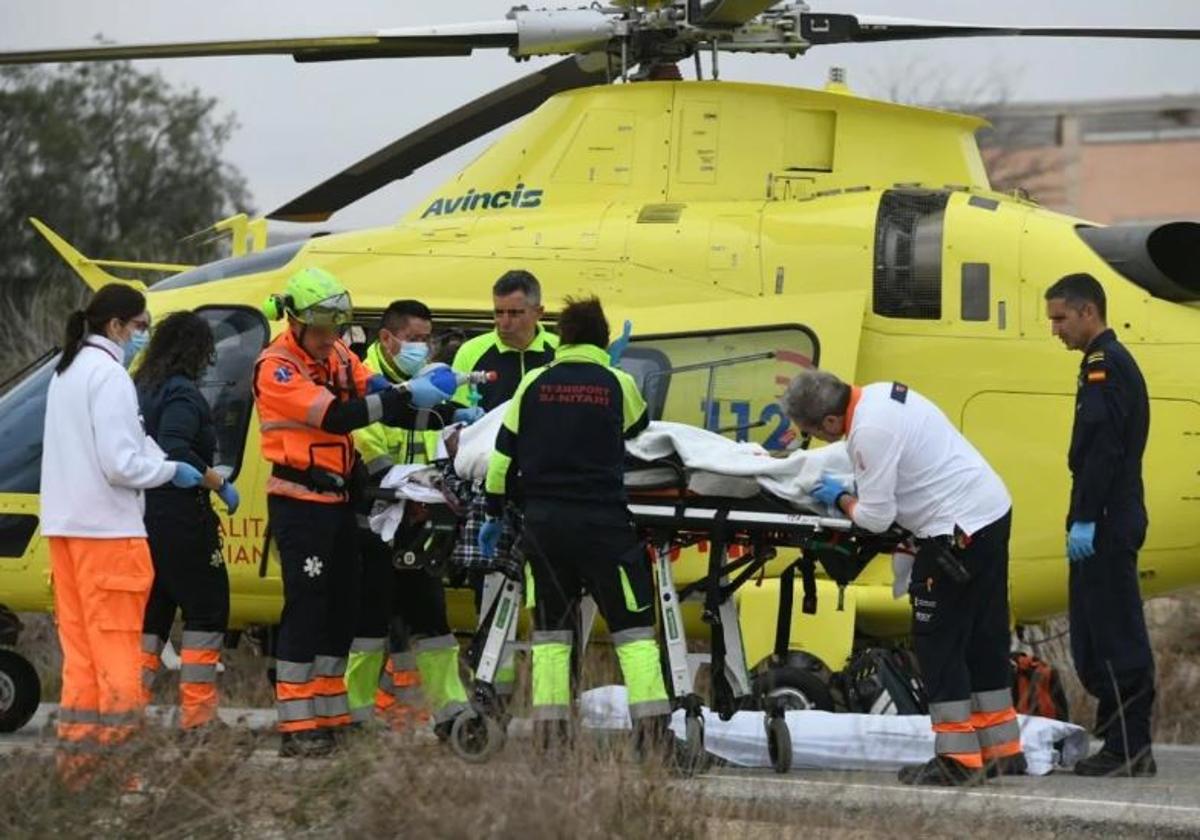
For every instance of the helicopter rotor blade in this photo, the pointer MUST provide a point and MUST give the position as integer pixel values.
(453, 39)
(820, 29)
(442, 136)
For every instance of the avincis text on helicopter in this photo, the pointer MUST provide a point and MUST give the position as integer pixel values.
(518, 197)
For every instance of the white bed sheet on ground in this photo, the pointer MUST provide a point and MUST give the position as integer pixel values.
(829, 741)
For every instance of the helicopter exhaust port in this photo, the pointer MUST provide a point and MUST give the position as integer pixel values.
(1163, 259)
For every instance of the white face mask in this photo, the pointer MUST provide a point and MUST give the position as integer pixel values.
(137, 342)
(411, 357)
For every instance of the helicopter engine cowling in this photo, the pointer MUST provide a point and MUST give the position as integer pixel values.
(1163, 259)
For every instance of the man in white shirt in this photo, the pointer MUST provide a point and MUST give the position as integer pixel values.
(912, 467)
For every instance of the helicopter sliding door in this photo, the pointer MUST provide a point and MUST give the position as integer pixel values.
(227, 385)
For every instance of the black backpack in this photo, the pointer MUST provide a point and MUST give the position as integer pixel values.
(883, 681)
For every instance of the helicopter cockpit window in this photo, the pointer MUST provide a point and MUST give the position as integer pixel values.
(227, 384)
(22, 416)
(908, 254)
(727, 382)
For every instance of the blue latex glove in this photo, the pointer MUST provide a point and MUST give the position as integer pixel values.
(378, 382)
(427, 394)
(489, 537)
(468, 415)
(186, 476)
(1081, 541)
(229, 495)
(828, 489)
(617, 349)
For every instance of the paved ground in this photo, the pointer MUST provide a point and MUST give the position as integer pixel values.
(1169, 803)
(1166, 805)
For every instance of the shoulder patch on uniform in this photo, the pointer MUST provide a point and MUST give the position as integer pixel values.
(899, 392)
(283, 374)
(1097, 375)
(1092, 358)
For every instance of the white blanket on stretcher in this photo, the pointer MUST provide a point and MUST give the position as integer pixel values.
(790, 478)
(828, 741)
(410, 481)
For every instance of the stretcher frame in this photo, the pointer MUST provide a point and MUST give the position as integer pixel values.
(673, 519)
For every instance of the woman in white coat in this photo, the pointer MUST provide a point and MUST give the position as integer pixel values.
(96, 461)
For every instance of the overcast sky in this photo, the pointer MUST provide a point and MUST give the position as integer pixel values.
(302, 123)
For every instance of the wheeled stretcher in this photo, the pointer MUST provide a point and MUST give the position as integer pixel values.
(674, 507)
(743, 534)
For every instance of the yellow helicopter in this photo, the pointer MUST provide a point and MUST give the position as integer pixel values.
(746, 230)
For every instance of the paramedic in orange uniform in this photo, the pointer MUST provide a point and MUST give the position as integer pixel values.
(96, 460)
(311, 392)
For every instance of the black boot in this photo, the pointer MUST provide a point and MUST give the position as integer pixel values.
(1009, 765)
(1109, 763)
(311, 743)
(941, 771)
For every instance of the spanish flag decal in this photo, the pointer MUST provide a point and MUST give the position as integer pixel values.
(1096, 376)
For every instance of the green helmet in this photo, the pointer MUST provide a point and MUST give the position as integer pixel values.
(312, 296)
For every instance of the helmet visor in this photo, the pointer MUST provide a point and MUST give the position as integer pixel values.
(334, 311)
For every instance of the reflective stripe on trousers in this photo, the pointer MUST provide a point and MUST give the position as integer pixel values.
(995, 722)
(641, 669)
(551, 652)
(437, 663)
(152, 646)
(330, 705)
(398, 700)
(294, 692)
(954, 736)
(199, 657)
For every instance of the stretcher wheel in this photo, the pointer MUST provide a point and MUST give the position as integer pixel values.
(779, 744)
(792, 689)
(692, 758)
(475, 737)
(20, 691)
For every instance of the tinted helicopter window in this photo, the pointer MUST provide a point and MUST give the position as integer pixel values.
(227, 384)
(908, 254)
(22, 417)
(727, 382)
(264, 260)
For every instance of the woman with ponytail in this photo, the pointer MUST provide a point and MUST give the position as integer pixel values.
(96, 461)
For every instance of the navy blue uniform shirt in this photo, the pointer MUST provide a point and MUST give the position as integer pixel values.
(1112, 422)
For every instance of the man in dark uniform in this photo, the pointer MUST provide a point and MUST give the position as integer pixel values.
(1106, 526)
(560, 455)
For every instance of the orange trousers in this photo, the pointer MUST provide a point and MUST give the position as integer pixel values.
(100, 592)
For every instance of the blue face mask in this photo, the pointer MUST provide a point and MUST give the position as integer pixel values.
(136, 344)
(412, 357)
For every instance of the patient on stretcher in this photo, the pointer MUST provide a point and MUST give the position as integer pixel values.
(674, 456)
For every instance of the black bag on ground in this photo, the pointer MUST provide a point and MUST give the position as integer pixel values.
(883, 681)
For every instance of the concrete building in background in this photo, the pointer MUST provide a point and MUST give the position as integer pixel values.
(1109, 161)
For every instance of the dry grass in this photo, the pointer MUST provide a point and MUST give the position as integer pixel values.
(390, 786)
(1174, 624)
